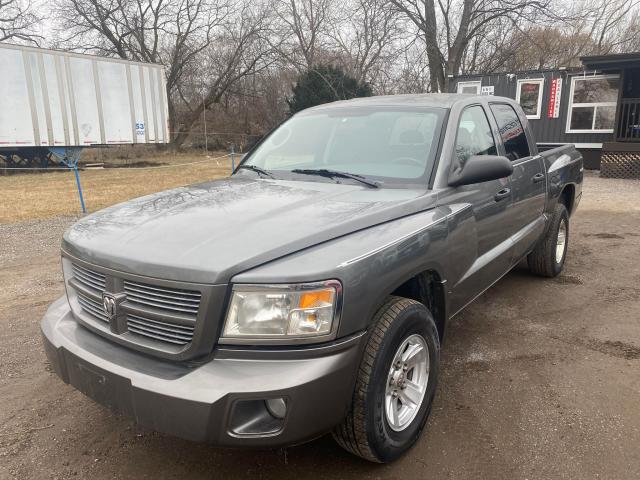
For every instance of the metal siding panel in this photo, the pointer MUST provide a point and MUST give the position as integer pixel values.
(132, 110)
(98, 91)
(32, 98)
(161, 105)
(144, 104)
(45, 97)
(116, 105)
(72, 100)
(52, 75)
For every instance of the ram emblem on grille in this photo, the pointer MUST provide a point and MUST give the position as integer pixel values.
(117, 319)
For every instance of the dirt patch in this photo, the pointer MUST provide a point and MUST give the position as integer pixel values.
(568, 280)
(616, 349)
(604, 235)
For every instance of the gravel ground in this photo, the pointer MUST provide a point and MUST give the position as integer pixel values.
(540, 378)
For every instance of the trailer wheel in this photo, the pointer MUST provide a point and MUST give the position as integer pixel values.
(396, 383)
(547, 259)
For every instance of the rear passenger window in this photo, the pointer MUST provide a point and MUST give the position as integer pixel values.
(511, 131)
(474, 135)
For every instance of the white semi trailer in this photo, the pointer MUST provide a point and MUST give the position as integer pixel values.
(59, 99)
(53, 104)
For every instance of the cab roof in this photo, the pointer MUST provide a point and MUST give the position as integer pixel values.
(437, 100)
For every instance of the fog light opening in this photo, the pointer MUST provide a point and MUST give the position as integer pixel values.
(257, 417)
(277, 407)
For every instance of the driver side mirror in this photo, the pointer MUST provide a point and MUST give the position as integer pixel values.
(481, 168)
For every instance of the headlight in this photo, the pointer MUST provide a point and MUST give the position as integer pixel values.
(298, 313)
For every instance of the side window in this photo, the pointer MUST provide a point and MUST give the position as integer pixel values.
(474, 135)
(511, 131)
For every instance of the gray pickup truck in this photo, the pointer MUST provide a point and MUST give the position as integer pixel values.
(310, 291)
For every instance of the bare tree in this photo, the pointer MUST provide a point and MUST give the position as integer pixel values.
(303, 31)
(449, 26)
(242, 50)
(368, 34)
(18, 22)
(612, 23)
(590, 28)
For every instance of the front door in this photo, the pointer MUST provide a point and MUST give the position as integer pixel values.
(485, 253)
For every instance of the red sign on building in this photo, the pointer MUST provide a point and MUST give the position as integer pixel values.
(554, 98)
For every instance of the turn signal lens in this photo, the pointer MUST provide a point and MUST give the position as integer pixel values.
(316, 298)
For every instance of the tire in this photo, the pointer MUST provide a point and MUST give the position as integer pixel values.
(545, 259)
(367, 431)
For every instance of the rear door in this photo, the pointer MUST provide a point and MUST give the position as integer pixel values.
(528, 181)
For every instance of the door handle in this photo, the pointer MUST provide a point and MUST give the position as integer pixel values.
(502, 194)
(538, 177)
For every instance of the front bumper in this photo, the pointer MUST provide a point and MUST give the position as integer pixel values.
(197, 401)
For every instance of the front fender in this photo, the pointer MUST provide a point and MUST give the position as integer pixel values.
(370, 263)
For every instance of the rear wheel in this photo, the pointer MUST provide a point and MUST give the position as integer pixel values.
(547, 259)
(396, 383)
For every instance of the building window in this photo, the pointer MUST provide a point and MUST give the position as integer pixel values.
(592, 104)
(469, 87)
(529, 96)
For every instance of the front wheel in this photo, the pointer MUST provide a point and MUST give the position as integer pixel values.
(396, 383)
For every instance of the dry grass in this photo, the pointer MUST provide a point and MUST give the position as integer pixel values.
(32, 196)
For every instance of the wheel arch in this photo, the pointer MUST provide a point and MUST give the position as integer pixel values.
(428, 288)
(568, 197)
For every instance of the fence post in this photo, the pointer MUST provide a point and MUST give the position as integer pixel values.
(233, 158)
(69, 157)
(75, 171)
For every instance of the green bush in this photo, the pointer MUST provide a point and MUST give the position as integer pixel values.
(323, 84)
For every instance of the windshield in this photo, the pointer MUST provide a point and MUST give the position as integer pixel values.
(389, 144)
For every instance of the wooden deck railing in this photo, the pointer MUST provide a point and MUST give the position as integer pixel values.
(628, 120)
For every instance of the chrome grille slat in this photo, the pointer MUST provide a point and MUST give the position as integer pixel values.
(142, 327)
(92, 307)
(158, 333)
(171, 327)
(91, 281)
(163, 290)
(192, 311)
(137, 291)
(158, 337)
(97, 275)
(163, 298)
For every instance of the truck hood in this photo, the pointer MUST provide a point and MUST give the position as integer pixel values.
(209, 232)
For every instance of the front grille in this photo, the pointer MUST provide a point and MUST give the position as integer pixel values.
(163, 331)
(167, 299)
(154, 313)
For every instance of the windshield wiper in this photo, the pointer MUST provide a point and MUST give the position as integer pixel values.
(258, 170)
(323, 172)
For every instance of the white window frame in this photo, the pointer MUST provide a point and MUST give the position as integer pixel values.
(475, 83)
(539, 81)
(594, 104)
